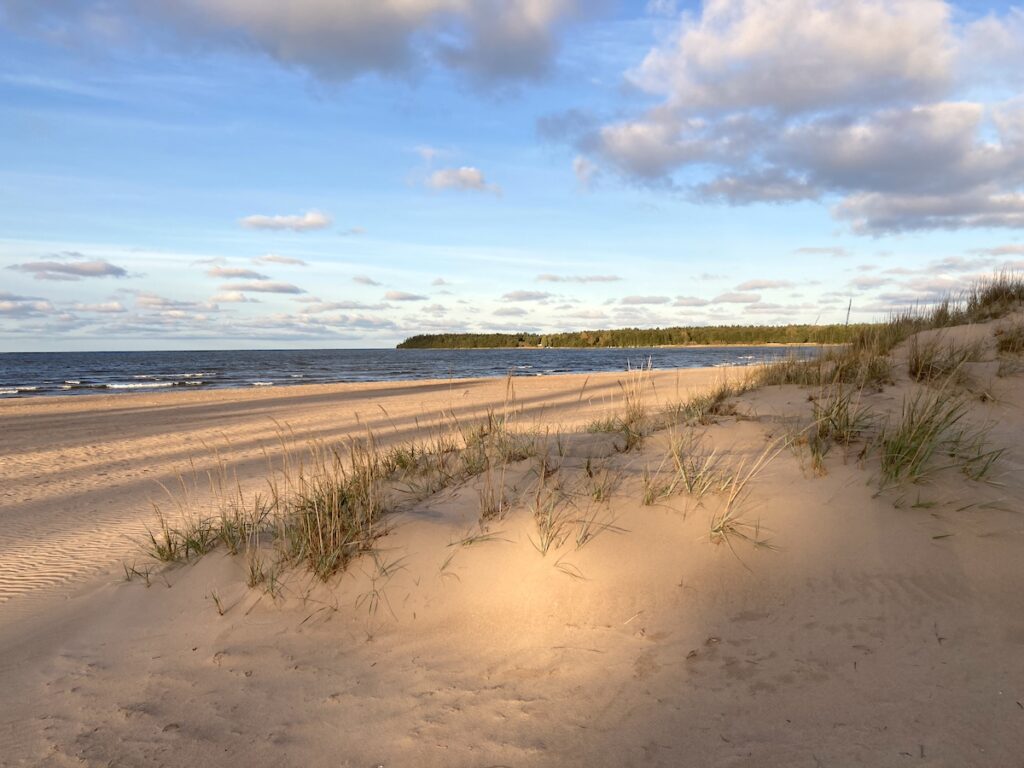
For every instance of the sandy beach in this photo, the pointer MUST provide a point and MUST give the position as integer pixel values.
(834, 622)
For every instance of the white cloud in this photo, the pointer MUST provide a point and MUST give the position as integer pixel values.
(231, 297)
(800, 55)
(763, 285)
(404, 296)
(736, 298)
(642, 300)
(548, 278)
(1001, 250)
(871, 101)
(690, 301)
(235, 272)
(297, 223)
(364, 280)
(69, 270)
(104, 308)
(464, 178)
(526, 296)
(273, 258)
(261, 286)
(148, 300)
(14, 306)
(333, 39)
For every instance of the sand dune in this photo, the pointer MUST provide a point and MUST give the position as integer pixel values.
(838, 624)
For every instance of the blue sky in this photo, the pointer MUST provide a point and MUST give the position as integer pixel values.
(335, 174)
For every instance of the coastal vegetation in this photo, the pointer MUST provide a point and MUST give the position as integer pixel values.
(645, 337)
(331, 507)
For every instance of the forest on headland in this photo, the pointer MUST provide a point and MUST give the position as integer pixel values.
(644, 337)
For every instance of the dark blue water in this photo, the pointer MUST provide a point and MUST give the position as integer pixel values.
(75, 373)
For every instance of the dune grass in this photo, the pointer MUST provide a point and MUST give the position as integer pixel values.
(1010, 340)
(328, 505)
(932, 426)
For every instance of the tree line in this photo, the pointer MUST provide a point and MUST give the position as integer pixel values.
(644, 337)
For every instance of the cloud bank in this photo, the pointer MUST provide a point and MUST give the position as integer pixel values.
(872, 107)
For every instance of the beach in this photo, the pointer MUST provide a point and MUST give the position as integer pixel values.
(815, 617)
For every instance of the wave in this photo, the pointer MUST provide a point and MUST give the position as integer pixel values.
(263, 383)
(17, 390)
(136, 385)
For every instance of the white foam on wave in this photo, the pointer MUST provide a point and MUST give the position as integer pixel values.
(140, 385)
(17, 390)
(263, 383)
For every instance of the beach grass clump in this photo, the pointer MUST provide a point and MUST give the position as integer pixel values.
(1010, 340)
(550, 510)
(839, 415)
(936, 359)
(932, 426)
(706, 408)
(730, 518)
(600, 482)
(192, 537)
(336, 508)
(634, 421)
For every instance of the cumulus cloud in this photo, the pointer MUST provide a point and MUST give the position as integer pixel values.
(304, 222)
(526, 296)
(70, 270)
(14, 306)
(261, 286)
(511, 312)
(489, 41)
(464, 178)
(690, 301)
(364, 280)
(235, 273)
(439, 281)
(231, 297)
(736, 298)
(1001, 250)
(869, 101)
(641, 300)
(103, 308)
(548, 278)
(149, 300)
(763, 285)
(404, 296)
(273, 258)
(866, 283)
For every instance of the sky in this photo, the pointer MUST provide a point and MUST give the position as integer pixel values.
(210, 174)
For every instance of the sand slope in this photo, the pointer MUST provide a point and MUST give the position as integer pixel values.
(77, 475)
(878, 629)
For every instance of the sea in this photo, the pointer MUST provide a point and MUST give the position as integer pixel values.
(40, 374)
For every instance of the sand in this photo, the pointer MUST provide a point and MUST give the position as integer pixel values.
(866, 627)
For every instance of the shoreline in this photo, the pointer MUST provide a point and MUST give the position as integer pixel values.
(29, 392)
